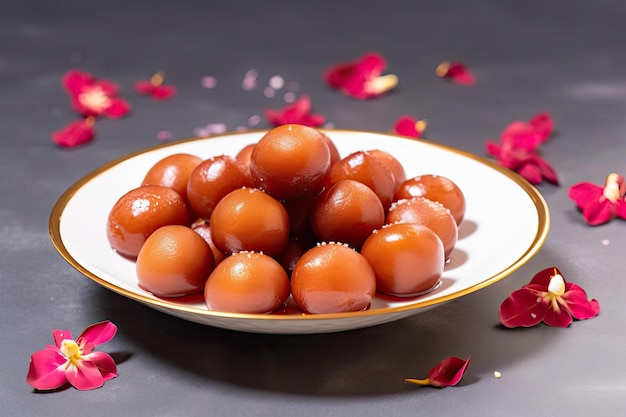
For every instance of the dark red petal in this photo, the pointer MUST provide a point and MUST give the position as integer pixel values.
(523, 308)
(75, 134)
(547, 171)
(448, 372)
(580, 307)
(456, 72)
(596, 213)
(557, 318)
(541, 280)
(543, 123)
(46, 370)
(584, 192)
(99, 333)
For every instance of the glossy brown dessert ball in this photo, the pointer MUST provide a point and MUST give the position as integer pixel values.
(332, 278)
(365, 168)
(247, 219)
(247, 282)
(174, 261)
(347, 212)
(427, 213)
(407, 258)
(435, 188)
(290, 161)
(203, 228)
(244, 155)
(335, 156)
(212, 179)
(392, 163)
(173, 171)
(140, 212)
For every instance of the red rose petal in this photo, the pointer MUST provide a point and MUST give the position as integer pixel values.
(75, 134)
(456, 72)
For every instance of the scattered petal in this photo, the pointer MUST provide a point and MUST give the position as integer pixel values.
(74, 361)
(456, 72)
(75, 134)
(600, 204)
(163, 135)
(208, 82)
(92, 97)
(446, 373)
(409, 126)
(362, 79)
(269, 92)
(250, 80)
(155, 88)
(254, 120)
(548, 298)
(298, 112)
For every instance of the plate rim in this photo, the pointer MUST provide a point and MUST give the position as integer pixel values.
(541, 235)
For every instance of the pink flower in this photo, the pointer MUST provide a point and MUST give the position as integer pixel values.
(446, 373)
(74, 361)
(518, 148)
(299, 112)
(409, 126)
(362, 79)
(455, 72)
(75, 134)
(91, 97)
(548, 298)
(155, 88)
(600, 205)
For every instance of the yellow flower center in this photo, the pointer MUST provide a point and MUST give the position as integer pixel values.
(71, 350)
(95, 99)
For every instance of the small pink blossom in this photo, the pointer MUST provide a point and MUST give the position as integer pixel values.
(362, 79)
(409, 126)
(548, 298)
(75, 134)
(298, 112)
(74, 361)
(155, 88)
(92, 97)
(601, 204)
(446, 373)
(456, 72)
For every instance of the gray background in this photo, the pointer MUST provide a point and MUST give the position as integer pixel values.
(564, 57)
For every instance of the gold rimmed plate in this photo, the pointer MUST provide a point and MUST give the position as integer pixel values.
(506, 223)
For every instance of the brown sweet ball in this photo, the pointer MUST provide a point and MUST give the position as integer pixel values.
(407, 258)
(335, 156)
(212, 179)
(202, 228)
(290, 161)
(244, 155)
(247, 282)
(347, 212)
(173, 171)
(248, 219)
(392, 163)
(332, 278)
(365, 168)
(436, 188)
(174, 261)
(427, 213)
(140, 212)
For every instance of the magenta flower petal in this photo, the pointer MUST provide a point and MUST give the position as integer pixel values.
(596, 213)
(298, 112)
(544, 124)
(409, 126)
(456, 72)
(530, 172)
(46, 371)
(523, 308)
(584, 192)
(155, 88)
(93, 97)
(581, 308)
(99, 333)
(75, 134)
(599, 204)
(61, 335)
(620, 209)
(557, 317)
(85, 375)
(105, 364)
(522, 135)
(446, 373)
(362, 79)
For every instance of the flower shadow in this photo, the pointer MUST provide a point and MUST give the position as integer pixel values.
(363, 362)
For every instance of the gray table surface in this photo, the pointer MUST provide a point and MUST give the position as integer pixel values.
(564, 57)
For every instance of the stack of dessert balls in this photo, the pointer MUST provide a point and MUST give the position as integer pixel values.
(287, 216)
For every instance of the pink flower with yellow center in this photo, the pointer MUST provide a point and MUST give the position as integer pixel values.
(601, 204)
(92, 97)
(362, 79)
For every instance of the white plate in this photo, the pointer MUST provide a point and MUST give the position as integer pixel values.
(506, 223)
